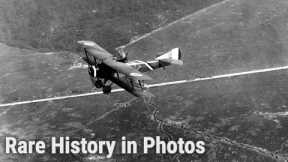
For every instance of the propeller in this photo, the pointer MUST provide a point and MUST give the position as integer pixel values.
(86, 58)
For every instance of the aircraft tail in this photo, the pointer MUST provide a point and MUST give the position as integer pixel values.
(172, 57)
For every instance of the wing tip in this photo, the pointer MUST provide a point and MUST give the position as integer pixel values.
(86, 43)
(140, 76)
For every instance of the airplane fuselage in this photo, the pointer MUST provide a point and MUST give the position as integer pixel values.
(128, 85)
(105, 69)
(106, 73)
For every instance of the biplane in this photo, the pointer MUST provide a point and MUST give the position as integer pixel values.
(105, 69)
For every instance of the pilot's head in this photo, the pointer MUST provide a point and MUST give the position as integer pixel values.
(122, 54)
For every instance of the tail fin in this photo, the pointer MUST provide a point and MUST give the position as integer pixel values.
(171, 57)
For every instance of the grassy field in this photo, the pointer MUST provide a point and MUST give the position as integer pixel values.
(57, 25)
(238, 35)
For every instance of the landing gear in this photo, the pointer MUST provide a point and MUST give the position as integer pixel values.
(98, 83)
(107, 89)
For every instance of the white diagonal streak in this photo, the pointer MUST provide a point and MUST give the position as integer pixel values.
(56, 98)
(219, 76)
(150, 86)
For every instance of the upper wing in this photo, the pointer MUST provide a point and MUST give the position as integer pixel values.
(95, 50)
(126, 69)
(98, 52)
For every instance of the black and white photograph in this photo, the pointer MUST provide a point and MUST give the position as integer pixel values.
(143, 80)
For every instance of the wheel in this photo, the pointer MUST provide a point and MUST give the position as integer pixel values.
(98, 84)
(107, 89)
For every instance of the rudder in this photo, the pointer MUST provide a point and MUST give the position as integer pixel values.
(174, 56)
